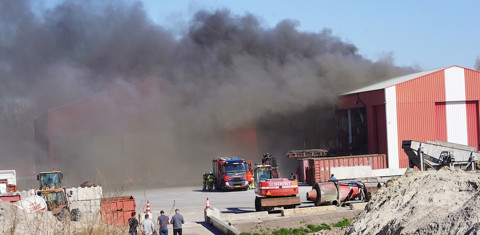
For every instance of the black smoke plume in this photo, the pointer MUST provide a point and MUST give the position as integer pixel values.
(223, 71)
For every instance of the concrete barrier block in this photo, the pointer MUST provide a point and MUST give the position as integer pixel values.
(90, 193)
(86, 206)
(351, 172)
(224, 228)
(308, 210)
(388, 172)
(72, 194)
(243, 216)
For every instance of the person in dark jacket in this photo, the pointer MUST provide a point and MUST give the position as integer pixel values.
(133, 224)
(177, 221)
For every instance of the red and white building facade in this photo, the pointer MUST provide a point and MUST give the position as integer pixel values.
(433, 105)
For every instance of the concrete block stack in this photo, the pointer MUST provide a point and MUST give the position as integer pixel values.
(87, 200)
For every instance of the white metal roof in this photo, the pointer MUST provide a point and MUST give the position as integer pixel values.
(391, 82)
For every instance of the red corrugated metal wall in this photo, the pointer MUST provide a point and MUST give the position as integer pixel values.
(440, 121)
(472, 123)
(472, 95)
(243, 140)
(121, 109)
(381, 129)
(416, 109)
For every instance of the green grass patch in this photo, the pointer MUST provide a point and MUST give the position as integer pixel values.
(344, 223)
(309, 228)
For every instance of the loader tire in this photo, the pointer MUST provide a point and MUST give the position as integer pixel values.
(64, 215)
(75, 214)
(258, 205)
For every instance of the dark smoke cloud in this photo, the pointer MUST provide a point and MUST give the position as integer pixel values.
(224, 71)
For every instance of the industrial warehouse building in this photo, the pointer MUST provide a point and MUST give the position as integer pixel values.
(123, 129)
(433, 105)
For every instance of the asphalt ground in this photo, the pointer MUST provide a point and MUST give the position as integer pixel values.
(191, 201)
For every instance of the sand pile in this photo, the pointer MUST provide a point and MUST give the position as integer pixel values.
(13, 219)
(16, 221)
(434, 202)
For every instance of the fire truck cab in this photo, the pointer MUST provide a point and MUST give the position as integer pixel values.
(230, 173)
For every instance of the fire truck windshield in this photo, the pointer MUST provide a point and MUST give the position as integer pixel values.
(235, 168)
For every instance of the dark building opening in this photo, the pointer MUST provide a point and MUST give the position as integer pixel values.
(352, 131)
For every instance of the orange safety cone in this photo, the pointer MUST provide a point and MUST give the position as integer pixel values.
(148, 207)
(208, 205)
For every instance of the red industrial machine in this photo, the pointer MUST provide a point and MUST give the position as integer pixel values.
(8, 186)
(8, 192)
(230, 173)
(274, 192)
(337, 193)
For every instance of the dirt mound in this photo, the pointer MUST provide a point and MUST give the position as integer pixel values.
(433, 202)
(14, 220)
(17, 221)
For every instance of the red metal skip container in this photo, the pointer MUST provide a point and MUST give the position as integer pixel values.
(117, 210)
(319, 168)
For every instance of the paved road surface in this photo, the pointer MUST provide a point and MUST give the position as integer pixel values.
(192, 201)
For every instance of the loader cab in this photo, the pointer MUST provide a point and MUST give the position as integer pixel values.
(262, 173)
(50, 180)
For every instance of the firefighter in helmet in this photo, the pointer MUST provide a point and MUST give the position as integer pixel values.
(210, 181)
(204, 176)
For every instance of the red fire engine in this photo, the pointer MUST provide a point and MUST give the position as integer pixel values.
(230, 173)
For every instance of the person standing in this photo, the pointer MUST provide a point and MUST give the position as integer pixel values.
(147, 227)
(177, 221)
(133, 224)
(163, 221)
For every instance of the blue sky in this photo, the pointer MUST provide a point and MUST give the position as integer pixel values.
(427, 34)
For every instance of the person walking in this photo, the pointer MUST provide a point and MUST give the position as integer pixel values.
(177, 221)
(133, 224)
(147, 227)
(163, 221)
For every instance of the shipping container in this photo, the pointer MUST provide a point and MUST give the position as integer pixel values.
(117, 210)
(318, 169)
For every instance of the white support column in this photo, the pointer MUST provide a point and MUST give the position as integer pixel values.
(392, 127)
(456, 108)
